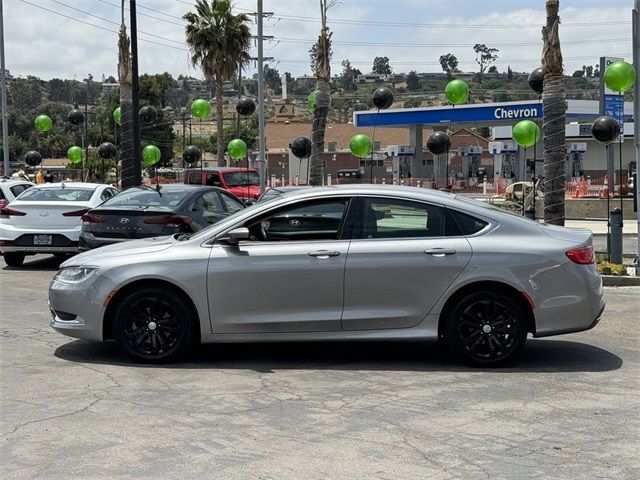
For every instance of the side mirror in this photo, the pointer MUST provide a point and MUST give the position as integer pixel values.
(233, 237)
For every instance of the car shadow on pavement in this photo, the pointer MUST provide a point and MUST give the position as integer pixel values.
(49, 263)
(537, 356)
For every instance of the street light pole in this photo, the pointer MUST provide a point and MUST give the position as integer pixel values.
(636, 116)
(3, 87)
(135, 95)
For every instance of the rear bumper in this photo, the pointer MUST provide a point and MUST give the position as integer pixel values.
(14, 239)
(40, 249)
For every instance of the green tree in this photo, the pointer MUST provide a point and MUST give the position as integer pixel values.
(153, 88)
(485, 56)
(323, 95)
(348, 77)
(219, 43)
(413, 82)
(449, 64)
(553, 107)
(381, 66)
(272, 79)
(25, 93)
(509, 74)
(17, 148)
(578, 73)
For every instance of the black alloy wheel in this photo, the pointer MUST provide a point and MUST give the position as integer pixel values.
(13, 259)
(153, 325)
(486, 328)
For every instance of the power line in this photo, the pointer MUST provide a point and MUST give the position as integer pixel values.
(149, 16)
(96, 26)
(114, 23)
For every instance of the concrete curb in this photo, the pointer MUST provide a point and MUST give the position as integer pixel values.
(620, 281)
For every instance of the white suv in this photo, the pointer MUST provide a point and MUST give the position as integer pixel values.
(10, 189)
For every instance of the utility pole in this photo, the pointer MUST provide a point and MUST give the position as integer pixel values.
(135, 95)
(636, 116)
(262, 171)
(3, 87)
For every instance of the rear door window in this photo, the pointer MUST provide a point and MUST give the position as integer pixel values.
(467, 224)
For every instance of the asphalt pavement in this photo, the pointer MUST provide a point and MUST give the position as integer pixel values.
(72, 409)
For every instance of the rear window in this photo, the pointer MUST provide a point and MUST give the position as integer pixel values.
(57, 194)
(468, 225)
(146, 197)
(235, 179)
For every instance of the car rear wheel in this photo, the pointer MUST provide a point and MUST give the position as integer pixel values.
(486, 328)
(153, 325)
(13, 259)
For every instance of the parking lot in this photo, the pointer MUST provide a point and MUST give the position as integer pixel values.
(76, 409)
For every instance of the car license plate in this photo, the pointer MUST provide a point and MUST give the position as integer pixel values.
(42, 239)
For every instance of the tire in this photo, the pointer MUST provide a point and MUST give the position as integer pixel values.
(13, 259)
(154, 325)
(486, 329)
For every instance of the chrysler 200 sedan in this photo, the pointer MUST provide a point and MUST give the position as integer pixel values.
(339, 263)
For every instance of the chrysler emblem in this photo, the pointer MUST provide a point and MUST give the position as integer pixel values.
(44, 214)
(124, 220)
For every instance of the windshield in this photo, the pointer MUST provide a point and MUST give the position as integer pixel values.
(137, 197)
(237, 179)
(57, 194)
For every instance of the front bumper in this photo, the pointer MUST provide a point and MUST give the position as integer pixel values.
(77, 309)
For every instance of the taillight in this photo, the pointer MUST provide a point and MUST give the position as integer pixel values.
(3, 203)
(90, 218)
(581, 255)
(8, 212)
(170, 220)
(76, 213)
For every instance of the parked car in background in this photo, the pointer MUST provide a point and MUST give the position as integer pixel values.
(10, 189)
(362, 262)
(244, 183)
(146, 211)
(514, 191)
(46, 218)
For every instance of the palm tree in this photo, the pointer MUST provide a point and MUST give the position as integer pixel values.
(323, 95)
(127, 175)
(219, 43)
(553, 107)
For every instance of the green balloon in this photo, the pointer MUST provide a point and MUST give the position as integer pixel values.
(43, 123)
(361, 145)
(620, 76)
(526, 133)
(456, 92)
(200, 108)
(151, 154)
(237, 148)
(311, 101)
(75, 154)
(117, 116)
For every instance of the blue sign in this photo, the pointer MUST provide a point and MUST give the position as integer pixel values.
(460, 114)
(614, 107)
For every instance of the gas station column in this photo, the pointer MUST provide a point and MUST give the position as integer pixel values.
(418, 165)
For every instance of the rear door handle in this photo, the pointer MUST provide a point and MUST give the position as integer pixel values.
(323, 254)
(440, 252)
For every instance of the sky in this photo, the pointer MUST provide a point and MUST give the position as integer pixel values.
(72, 38)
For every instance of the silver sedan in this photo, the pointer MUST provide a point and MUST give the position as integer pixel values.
(339, 263)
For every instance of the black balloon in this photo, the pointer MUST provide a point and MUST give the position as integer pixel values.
(107, 150)
(245, 106)
(535, 80)
(438, 142)
(75, 117)
(301, 147)
(191, 154)
(32, 158)
(383, 98)
(605, 129)
(148, 114)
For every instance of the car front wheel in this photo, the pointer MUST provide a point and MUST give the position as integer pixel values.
(153, 325)
(486, 328)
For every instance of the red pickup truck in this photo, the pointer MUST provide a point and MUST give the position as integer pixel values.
(244, 183)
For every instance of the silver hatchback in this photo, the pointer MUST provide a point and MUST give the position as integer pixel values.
(339, 263)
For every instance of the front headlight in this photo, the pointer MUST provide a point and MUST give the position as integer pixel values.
(74, 274)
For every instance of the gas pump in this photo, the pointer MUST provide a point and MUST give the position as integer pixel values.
(503, 153)
(574, 155)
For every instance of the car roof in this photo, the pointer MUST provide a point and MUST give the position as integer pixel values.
(176, 187)
(88, 186)
(9, 182)
(221, 169)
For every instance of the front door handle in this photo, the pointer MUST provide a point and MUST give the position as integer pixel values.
(323, 254)
(440, 252)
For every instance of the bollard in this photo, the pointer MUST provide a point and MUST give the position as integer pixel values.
(328, 179)
(530, 212)
(616, 236)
